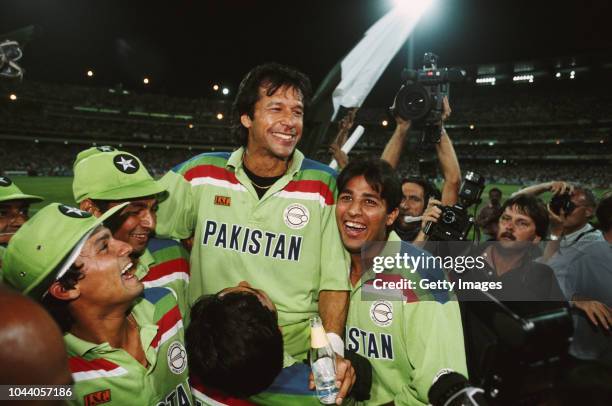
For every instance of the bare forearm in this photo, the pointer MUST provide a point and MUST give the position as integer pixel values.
(535, 189)
(450, 169)
(333, 308)
(395, 145)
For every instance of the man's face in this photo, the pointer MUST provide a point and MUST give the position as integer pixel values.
(277, 122)
(413, 202)
(361, 215)
(108, 271)
(139, 219)
(495, 197)
(244, 286)
(581, 214)
(13, 214)
(515, 229)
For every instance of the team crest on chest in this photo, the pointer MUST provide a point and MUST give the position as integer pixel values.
(177, 358)
(381, 313)
(296, 216)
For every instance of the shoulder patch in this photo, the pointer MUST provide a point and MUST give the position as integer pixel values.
(201, 159)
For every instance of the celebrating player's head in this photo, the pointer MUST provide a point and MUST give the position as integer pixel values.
(269, 108)
(368, 200)
(14, 206)
(66, 258)
(104, 178)
(233, 342)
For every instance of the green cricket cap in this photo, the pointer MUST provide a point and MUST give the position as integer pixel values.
(44, 243)
(10, 191)
(106, 173)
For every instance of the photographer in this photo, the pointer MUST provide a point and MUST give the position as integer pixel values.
(569, 226)
(417, 192)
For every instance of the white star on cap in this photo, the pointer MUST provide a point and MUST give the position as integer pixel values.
(126, 163)
(74, 210)
(106, 148)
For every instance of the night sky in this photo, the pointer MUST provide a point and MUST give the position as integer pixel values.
(185, 46)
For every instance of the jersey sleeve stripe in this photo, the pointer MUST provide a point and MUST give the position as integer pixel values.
(210, 171)
(156, 244)
(83, 369)
(310, 164)
(168, 326)
(311, 186)
(176, 267)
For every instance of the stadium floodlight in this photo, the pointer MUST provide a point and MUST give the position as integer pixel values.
(219, 116)
(90, 73)
(523, 78)
(471, 126)
(491, 143)
(385, 123)
(190, 125)
(497, 161)
(413, 7)
(572, 74)
(145, 81)
(225, 91)
(13, 97)
(486, 80)
(504, 161)
(558, 75)
(215, 87)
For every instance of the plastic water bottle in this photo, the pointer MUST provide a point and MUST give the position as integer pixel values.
(322, 362)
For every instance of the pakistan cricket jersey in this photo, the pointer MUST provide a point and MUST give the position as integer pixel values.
(165, 263)
(286, 243)
(408, 336)
(110, 376)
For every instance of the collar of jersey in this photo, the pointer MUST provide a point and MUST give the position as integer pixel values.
(235, 161)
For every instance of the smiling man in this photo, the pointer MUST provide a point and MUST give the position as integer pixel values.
(409, 336)
(265, 213)
(14, 207)
(125, 343)
(105, 177)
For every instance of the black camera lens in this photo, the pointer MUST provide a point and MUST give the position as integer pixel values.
(412, 102)
(449, 216)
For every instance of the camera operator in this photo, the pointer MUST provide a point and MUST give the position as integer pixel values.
(416, 192)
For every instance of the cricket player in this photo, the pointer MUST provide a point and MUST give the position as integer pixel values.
(125, 343)
(409, 336)
(265, 213)
(105, 177)
(14, 207)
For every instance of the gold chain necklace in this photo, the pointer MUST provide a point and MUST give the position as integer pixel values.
(253, 182)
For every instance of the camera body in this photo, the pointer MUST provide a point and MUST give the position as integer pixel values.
(455, 222)
(420, 98)
(562, 201)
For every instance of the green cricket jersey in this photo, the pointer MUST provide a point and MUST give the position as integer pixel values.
(165, 263)
(2, 251)
(110, 376)
(286, 243)
(407, 341)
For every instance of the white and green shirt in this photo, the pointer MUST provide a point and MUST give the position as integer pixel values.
(409, 336)
(110, 376)
(286, 243)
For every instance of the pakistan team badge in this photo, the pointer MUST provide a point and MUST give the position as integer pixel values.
(296, 216)
(73, 212)
(126, 163)
(5, 182)
(381, 313)
(177, 358)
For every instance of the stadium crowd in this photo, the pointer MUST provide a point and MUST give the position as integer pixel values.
(202, 287)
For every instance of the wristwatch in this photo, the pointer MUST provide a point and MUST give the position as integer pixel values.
(553, 237)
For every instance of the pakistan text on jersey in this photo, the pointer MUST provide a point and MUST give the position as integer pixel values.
(252, 240)
(371, 345)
